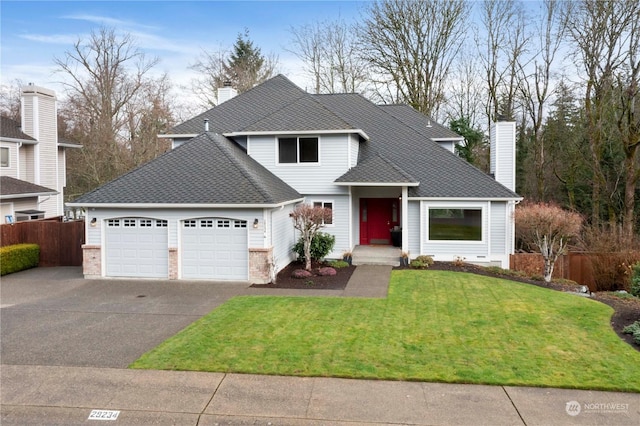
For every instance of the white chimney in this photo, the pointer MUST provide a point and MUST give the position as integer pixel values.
(39, 120)
(226, 92)
(503, 153)
(206, 125)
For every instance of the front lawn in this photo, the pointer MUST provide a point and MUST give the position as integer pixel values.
(434, 326)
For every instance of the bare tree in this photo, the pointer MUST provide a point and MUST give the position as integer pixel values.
(536, 87)
(549, 229)
(411, 46)
(309, 220)
(330, 56)
(600, 31)
(103, 76)
(466, 92)
(628, 122)
(501, 48)
(10, 95)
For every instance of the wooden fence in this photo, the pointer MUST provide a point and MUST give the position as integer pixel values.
(60, 242)
(573, 266)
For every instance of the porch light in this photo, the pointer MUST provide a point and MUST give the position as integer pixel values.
(93, 222)
(255, 223)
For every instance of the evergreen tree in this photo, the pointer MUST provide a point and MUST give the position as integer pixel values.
(246, 66)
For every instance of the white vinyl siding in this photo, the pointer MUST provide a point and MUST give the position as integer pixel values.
(413, 227)
(306, 178)
(340, 226)
(283, 237)
(354, 146)
(498, 231)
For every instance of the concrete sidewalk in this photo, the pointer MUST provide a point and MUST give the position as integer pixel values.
(67, 395)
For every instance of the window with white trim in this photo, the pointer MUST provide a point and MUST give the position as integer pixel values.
(129, 223)
(4, 157)
(292, 150)
(146, 223)
(161, 223)
(189, 224)
(239, 223)
(455, 224)
(113, 223)
(326, 205)
(223, 223)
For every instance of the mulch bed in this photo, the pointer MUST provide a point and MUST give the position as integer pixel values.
(317, 282)
(626, 311)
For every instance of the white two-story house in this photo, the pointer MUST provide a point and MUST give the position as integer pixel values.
(32, 160)
(218, 205)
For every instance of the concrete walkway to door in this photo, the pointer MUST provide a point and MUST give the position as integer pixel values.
(369, 281)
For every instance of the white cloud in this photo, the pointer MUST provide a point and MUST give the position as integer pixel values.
(106, 20)
(51, 38)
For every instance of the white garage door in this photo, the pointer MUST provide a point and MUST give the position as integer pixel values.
(215, 248)
(137, 247)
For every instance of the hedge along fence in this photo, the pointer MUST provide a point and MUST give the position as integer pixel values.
(598, 271)
(18, 257)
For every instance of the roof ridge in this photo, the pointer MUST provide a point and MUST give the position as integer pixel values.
(304, 95)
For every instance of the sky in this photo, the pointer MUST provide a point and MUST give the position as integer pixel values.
(33, 33)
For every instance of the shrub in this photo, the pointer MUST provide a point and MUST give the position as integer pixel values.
(18, 257)
(301, 273)
(326, 272)
(422, 262)
(321, 245)
(338, 264)
(635, 279)
(547, 228)
(633, 329)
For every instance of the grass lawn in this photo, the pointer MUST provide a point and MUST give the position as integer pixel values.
(434, 326)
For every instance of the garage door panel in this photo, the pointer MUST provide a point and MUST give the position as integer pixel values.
(214, 248)
(139, 249)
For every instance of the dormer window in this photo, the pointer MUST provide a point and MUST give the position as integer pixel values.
(292, 150)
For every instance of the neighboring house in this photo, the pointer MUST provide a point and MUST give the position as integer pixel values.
(218, 205)
(32, 160)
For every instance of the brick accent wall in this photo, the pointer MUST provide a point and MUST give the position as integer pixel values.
(91, 261)
(260, 265)
(173, 263)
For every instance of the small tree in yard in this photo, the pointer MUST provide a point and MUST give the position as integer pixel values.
(548, 228)
(308, 220)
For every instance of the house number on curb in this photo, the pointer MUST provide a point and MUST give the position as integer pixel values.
(104, 415)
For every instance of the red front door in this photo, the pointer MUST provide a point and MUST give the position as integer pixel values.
(377, 217)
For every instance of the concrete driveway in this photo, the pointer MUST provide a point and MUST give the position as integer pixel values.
(52, 316)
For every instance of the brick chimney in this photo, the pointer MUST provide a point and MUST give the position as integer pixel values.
(503, 153)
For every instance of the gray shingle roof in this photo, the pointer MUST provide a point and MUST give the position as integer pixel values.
(376, 169)
(209, 169)
(440, 173)
(12, 187)
(302, 114)
(418, 122)
(11, 129)
(240, 112)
